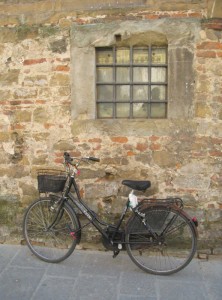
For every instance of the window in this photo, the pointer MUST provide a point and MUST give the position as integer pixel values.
(131, 82)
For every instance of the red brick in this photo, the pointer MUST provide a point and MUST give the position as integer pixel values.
(34, 61)
(17, 127)
(48, 125)
(206, 54)
(153, 138)
(141, 147)
(219, 54)
(215, 24)
(155, 147)
(59, 160)
(210, 46)
(152, 17)
(95, 140)
(195, 15)
(211, 205)
(130, 153)
(119, 139)
(216, 153)
(216, 141)
(40, 101)
(62, 68)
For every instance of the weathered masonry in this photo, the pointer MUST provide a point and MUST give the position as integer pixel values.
(136, 83)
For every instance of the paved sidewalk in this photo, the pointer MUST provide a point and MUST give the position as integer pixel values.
(96, 275)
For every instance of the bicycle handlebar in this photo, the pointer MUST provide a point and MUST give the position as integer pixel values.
(94, 159)
(69, 159)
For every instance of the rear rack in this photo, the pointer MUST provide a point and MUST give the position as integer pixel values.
(178, 202)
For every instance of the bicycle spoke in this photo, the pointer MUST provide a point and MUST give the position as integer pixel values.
(173, 247)
(48, 237)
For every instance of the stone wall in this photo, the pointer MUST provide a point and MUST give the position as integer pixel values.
(181, 156)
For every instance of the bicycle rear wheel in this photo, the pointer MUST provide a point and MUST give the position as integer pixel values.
(50, 244)
(174, 246)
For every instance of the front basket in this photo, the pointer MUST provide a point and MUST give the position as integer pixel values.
(51, 181)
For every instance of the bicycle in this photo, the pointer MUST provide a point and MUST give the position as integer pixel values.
(159, 237)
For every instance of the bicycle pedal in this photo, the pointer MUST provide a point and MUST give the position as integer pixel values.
(115, 253)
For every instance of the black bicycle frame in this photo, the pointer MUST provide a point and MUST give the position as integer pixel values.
(89, 214)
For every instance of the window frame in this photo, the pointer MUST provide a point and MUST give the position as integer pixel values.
(131, 83)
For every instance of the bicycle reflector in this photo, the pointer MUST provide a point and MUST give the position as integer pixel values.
(195, 221)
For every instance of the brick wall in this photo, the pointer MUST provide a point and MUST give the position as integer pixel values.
(181, 157)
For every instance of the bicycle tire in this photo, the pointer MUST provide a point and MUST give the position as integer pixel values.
(174, 248)
(52, 245)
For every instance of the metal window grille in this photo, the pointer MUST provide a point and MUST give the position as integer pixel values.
(131, 82)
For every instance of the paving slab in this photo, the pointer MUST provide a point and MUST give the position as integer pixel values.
(90, 275)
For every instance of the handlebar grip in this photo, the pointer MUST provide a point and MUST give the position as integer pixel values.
(67, 157)
(94, 159)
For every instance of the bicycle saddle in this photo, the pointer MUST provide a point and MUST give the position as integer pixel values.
(137, 184)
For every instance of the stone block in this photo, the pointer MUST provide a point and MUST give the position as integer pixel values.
(40, 115)
(8, 35)
(202, 110)
(7, 79)
(164, 159)
(59, 46)
(28, 189)
(22, 116)
(60, 80)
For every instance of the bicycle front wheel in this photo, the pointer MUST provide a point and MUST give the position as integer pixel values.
(50, 243)
(173, 247)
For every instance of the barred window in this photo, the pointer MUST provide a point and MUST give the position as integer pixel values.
(131, 82)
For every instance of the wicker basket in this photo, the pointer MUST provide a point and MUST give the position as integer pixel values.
(51, 181)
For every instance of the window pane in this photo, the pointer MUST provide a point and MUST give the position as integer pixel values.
(105, 110)
(159, 55)
(122, 74)
(123, 56)
(140, 92)
(122, 110)
(158, 74)
(105, 92)
(140, 74)
(104, 56)
(123, 92)
(158, 92)
(158, 110)
(140, 110)
(140, 55)
(104, 74)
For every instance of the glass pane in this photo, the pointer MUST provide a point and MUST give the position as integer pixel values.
(158, 74)
(105, 92)
(104, 56)
(122, 55)
(140, 110)
(158, 92)
(104, 74)
(123, 92)
(158, 110)
(122, 74)
(122, 110)
(141, 55)
(159, 55)
(140, 74)
(140, 92)
(105, 110)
